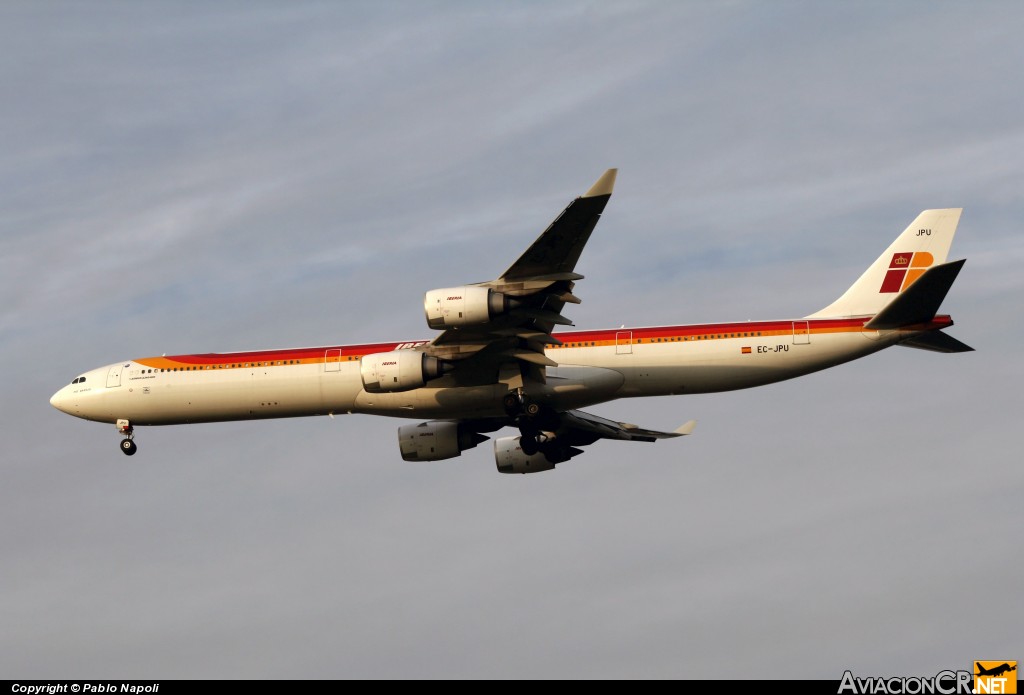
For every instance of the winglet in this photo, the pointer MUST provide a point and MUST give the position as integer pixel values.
(687, 428)
(604, 185)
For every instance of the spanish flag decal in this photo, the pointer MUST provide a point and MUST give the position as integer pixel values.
(744, 351)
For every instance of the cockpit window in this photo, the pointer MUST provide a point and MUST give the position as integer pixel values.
(79, 380)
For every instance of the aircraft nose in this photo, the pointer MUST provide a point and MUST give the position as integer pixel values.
(57, 399)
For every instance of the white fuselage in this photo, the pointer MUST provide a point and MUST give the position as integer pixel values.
(593, 367)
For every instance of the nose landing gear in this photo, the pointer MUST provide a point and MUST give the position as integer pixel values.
(128, 446)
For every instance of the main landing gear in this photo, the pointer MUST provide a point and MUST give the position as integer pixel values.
(516, 405)
(531, 419)
(127, 444)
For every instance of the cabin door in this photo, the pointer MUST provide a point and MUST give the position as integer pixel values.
(332, 361)
(624, 343)
(801, 333)
(114, 376)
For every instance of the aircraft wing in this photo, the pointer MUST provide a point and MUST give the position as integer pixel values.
(579, 425)
(540, 448)
(510, 345)
(558, 435)
(557, 250)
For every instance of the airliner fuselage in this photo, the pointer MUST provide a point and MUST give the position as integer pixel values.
(593, 367)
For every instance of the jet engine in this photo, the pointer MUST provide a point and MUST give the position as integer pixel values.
(510, 458)
(464, 306)
(399, 370)
(436, 440)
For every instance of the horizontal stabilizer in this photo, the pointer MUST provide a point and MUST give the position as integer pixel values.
(919, 302)
(937, 341)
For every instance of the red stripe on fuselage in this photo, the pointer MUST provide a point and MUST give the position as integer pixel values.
(602, 336)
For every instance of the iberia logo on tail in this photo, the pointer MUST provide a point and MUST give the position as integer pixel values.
(904, 269)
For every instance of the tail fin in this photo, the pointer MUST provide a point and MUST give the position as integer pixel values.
(922, 245)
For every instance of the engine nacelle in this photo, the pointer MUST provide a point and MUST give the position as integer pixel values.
(464, 306)
(436, 441)
(509, 457)
(399, 370)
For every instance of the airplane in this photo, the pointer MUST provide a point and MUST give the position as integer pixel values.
(996, 671)
(499, 362)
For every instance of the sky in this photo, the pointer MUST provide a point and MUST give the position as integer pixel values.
(189, 177)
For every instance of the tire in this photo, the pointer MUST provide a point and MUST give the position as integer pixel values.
(532, 409)
(128, 447)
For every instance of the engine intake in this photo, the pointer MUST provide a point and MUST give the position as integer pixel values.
(399, 370)
(436, 440)
(464, 306)
(510, 458)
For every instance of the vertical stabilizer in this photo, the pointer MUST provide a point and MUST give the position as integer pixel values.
(923, 245)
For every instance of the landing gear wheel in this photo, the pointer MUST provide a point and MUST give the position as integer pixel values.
(515, 404)
(128, 447)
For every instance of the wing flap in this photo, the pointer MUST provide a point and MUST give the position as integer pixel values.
(544, 315)
(537, 358)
